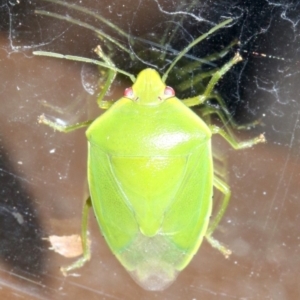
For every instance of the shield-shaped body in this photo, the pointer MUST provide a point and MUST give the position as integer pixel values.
(151, 180)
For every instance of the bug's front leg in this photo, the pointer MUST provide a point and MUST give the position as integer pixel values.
(111, 75)
(200, 99)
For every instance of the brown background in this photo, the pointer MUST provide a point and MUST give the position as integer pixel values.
(48, 169)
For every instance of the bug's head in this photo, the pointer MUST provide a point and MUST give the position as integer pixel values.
(149, 89)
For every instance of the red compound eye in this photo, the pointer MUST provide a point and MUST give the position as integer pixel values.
(128, 92)
(169, 92)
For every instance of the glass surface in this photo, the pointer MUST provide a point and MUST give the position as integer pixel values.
(43, 173)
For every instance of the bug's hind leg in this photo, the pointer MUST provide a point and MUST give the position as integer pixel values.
(225, 190)
(84, 240)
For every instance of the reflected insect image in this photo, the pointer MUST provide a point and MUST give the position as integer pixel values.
(151, 174)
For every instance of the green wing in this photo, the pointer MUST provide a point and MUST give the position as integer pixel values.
(153, 210)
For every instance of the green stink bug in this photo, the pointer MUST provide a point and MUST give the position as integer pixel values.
(151, 175)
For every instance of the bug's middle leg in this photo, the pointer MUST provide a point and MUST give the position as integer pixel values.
(60, 127)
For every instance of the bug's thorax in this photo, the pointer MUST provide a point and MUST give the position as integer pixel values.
(157, 123)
